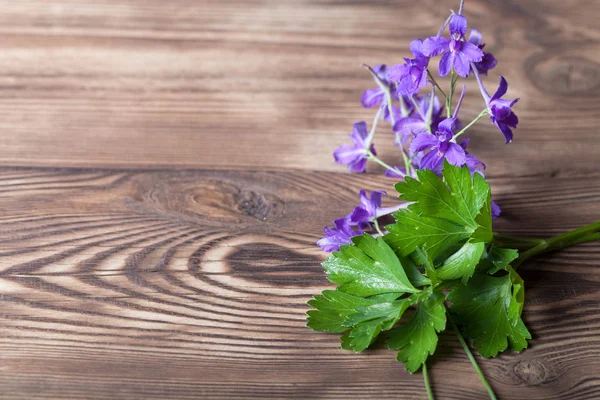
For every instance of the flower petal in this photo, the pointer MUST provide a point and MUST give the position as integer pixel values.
(359, 166)
(347, 154)
(471, 52)
(434, 46)
(423, 142)
(398, 71)
(359, 132)
(410, 125)
(433, 161)
(416, 47)
(501, 89)
(512, 120)
(376, 198)
(496, 210)
(455, 155)
(446, 64)
(448, 125)
(461, 65)
(458, 25)
(475, 37)
(372, 98)
(360, 214)
(506, 131)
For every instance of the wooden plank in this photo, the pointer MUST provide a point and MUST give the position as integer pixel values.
(192, 284)
(165, 84)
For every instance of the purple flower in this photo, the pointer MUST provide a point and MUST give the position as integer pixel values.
(378, 96)
(456, 52)
(501, 111)
(395, 116)
(496, 210)
(368, 208)
(412, 75)
(340, 234)
(416, 124)
(375, 97)
(440, 147)
(472, 162)
(355, 156)
(488, 61)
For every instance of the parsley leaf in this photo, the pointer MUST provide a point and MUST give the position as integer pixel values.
(461, 265)
(443, 213)
(498, 258)
(367, 322)
(417, 339)
(489, 310)
(331, 310)
(368, 268)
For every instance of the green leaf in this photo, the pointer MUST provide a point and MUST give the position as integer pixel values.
(517, 301)
(484, 232)
(489, 310)
(331, 310)
(461, 265)
(442, 213)
(423, 258)
(417, 339)
(498, 258)
(470, 193)
(368, 268)
(415, 276)
(367, 322)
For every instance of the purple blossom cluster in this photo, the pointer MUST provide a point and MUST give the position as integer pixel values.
(423, 119)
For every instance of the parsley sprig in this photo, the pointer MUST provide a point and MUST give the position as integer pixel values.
(440, 266)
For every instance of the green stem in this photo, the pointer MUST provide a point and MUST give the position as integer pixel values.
(377, 228)
(379, 161)
(463, 130)
(388, 95)
(427, 385)
(453, 79)
(423, 116)
(588, 233)
(471, 358)
(436, 85)
(515, 241)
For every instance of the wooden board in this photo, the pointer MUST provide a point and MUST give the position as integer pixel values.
(166, 169)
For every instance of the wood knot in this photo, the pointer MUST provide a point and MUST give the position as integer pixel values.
(258, 205)
(195, 197)
(564, 74)
(530, 372)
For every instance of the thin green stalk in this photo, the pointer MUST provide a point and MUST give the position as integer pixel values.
(426, 381)
(516, 242)
(388, 94)
(436, 85)
(379, 161)
(588, 233)
(393, 120)
(373, 128)
(453, 79)
(376, 223)
(423, 116)
(471, 358)
(463, 130)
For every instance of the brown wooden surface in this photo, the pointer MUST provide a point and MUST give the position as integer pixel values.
(166, 170)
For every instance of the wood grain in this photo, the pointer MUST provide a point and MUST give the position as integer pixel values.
(164, 84)
(193, 284)
(160, 200)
